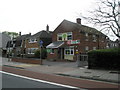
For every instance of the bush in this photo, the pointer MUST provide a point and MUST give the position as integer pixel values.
(43, 53)
(105, 59)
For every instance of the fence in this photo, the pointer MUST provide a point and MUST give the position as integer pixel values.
(82, 60)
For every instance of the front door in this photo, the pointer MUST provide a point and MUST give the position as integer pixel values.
(61, 53)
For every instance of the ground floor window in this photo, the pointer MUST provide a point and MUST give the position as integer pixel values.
(69, 51)
(31, 50)
(52, 51)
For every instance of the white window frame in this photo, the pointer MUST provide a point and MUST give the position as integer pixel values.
(94, 48)
(30, 50)
(94, 38)
(32, 40)
(86, 48)
(86, 34)
(70, 49)
(69, 33)
(60, 35)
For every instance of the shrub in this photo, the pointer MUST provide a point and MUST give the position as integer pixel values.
(43, 53)
(106, 58)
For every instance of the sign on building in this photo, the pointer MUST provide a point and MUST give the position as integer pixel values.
(73, 42)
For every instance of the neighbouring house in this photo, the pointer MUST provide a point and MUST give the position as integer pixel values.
(16, 46)
(112, 44)
(19, 47)
(33, 42)
(70, 39)
(4, 38)
(10, 47)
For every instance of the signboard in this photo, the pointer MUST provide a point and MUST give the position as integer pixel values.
(41, 42)
(73, 42)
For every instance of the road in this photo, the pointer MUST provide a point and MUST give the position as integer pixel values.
(12, 81)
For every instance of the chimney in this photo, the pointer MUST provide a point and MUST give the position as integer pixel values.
(78, 20)
(19, 33)
(29, 33)
(47, 28)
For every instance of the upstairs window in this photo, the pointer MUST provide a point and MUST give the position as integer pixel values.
(32, 40)
(59, 37)
(69, 36)
(64, 36)
(94, 38)
(86, 36)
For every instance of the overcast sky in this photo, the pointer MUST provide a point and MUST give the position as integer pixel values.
(32, 16)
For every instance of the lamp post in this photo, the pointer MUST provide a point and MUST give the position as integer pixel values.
(41, 43)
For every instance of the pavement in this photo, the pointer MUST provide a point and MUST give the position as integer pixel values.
(67, 69)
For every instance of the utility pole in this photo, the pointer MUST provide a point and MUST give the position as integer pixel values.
(41, 43)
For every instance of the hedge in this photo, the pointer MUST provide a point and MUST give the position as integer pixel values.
(43, 53)
(104, 59)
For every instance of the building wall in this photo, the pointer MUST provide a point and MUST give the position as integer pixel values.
(53, 56)
(100, 43)
(31, 45)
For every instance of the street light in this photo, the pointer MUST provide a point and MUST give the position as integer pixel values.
(41, 43)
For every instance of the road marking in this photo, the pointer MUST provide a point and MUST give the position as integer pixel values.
(43, 81)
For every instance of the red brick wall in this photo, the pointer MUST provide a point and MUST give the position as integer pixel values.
(83, 43)
(52, 55)
(31, 45)
(27, 60)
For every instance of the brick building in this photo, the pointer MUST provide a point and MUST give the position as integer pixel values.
(33, 42)
(19, 45)
(70, 39)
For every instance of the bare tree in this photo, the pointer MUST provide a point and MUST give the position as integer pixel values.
(107, 15)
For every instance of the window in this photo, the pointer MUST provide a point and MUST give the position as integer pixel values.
(94, 48)
(64, 36)
(86, 48)
(59, 37)
(32, 50)
(69, 51)
(52, 51)
(69, 36)
(32, 40)
(103, 39)
(86, 34)
(94, 38)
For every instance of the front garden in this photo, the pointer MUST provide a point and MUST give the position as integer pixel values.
(104, 59)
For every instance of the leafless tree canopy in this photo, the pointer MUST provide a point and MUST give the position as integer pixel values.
(107, 15)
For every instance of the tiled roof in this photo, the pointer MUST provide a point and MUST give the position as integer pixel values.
(42, 34)
(20, 38)
(71, 26)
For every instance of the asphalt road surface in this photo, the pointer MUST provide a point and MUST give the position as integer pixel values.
(10, 81)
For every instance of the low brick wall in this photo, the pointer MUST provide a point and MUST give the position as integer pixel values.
(27, 60)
